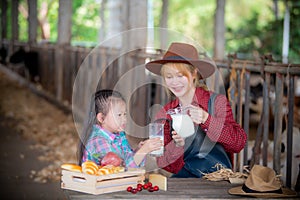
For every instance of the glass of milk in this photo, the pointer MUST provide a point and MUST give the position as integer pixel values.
(157, 130)
(181, 122)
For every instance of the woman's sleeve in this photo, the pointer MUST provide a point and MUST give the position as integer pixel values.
(221, 127)
(172, 159)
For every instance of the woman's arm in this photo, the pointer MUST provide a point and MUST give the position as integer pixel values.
(222, 128)
(172, 160)
(173, 152)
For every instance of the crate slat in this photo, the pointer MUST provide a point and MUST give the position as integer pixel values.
(101, 184)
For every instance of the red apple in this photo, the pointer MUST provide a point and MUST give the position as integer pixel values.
(111, 159)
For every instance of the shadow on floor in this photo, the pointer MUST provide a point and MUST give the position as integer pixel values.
(16, 161)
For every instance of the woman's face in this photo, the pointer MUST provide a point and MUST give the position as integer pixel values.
(115, 120)
(178, 83)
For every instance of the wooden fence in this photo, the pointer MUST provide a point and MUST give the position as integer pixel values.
(85, 70)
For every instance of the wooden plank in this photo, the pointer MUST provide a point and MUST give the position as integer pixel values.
(120, 181)
(178, 188)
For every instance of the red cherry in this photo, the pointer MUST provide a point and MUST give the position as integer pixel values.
(139, 189)
(145, 186)
(156, 188)
(149, 184)
(134, 191)
(129, 189)
(139, 185)
(150, 189)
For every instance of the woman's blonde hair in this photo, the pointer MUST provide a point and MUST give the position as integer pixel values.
(185, 69)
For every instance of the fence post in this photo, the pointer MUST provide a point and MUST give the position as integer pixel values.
(266, 109)
(278, 121)
(246, 112)
(58, 68)
(289, 142)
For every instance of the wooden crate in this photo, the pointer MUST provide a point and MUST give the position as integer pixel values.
(101, 184)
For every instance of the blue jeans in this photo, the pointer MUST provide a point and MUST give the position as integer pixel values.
(201, 157)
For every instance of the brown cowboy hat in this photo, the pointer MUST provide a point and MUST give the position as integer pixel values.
(263, 183)
(183, 53)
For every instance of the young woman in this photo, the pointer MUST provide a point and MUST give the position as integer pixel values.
(217, 136)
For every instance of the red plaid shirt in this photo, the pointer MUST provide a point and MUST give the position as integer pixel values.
(221, 128)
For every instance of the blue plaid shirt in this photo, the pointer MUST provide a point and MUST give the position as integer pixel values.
(102, 141)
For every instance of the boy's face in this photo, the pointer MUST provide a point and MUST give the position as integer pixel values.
(115, 120)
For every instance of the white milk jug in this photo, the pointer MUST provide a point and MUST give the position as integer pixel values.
(182, 122)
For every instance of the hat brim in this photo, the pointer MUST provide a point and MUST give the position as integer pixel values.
(205, 68)
(286, 192)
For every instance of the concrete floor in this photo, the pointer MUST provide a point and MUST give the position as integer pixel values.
(16, 162)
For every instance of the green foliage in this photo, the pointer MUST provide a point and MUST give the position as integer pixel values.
(23, 30)
(53, 18)
(295, 34)
(250, 38)
(9, 27)
(251, 26)
(86, 21)
(23, 35)
(244, 37)
(194, 18)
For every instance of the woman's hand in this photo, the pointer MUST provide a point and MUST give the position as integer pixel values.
(179, 141)
(197, 114)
